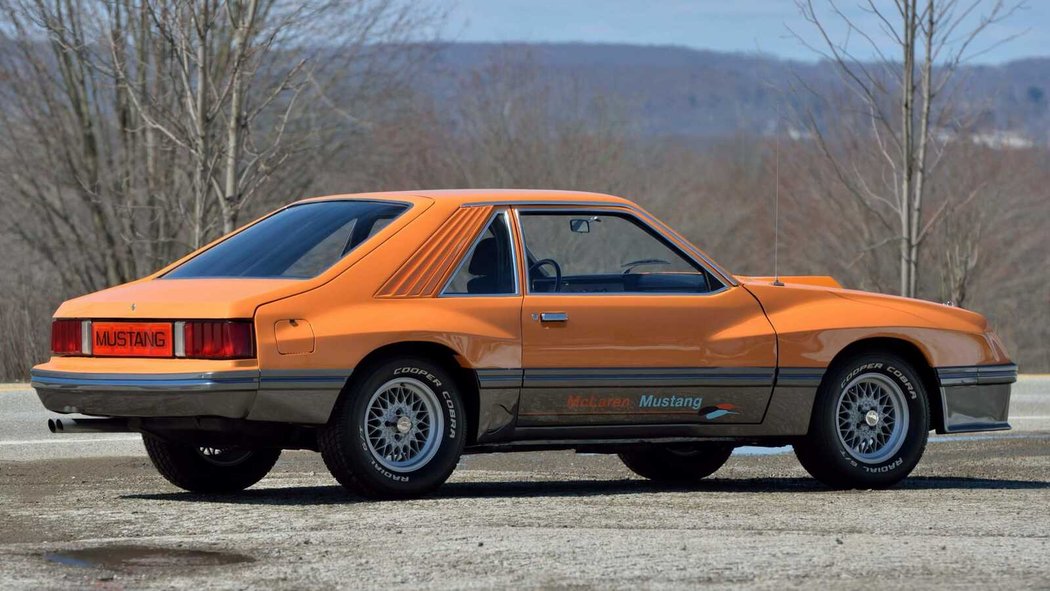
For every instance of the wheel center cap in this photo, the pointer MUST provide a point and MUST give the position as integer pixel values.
(871, 418)
(404, 425)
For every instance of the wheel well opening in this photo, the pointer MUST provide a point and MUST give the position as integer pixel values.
(465, 377)
(913, 355)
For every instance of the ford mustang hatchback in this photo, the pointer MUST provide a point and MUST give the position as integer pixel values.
(394, 332)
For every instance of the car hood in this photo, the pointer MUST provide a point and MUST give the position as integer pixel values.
(932, 312)
(863, 309)
(182, 298)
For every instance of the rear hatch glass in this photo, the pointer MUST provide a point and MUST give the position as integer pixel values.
(298, 242)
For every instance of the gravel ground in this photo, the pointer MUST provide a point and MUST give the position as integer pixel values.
(974, 514)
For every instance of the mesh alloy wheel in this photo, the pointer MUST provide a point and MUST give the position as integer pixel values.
(872, 418)
(397, 431)
(403, 424)
(869, 424)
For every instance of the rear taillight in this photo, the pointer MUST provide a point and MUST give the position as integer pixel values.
(215, 339)
(67, 337)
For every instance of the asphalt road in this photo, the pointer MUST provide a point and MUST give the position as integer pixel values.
(82, 511)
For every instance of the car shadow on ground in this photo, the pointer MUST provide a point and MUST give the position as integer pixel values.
(328, 495)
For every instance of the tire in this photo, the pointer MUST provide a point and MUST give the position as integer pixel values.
(397, 432)
(209, 470)
(881, 433)
(677, 464)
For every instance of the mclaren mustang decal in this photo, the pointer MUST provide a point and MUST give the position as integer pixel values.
(670, 401)
(660, 403)
(594, 402)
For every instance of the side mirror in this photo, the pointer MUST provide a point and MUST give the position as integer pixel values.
(580, 225)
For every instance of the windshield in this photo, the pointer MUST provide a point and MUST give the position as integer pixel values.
(299, 242)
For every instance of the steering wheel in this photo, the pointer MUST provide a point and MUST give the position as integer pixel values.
(554, 264)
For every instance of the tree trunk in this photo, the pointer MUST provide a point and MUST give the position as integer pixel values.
(231, 199)
(907, 145)
(915, 230)
(202, 173)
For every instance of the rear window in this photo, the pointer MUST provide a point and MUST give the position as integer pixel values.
(299, 242)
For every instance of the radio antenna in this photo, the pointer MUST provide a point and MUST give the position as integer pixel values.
(776, 207)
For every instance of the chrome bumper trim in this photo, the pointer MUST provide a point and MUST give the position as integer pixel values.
(292, 396)
(218, 381)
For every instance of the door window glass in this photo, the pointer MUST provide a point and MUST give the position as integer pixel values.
(604, 253)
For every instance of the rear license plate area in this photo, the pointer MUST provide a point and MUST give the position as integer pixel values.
(131, 339)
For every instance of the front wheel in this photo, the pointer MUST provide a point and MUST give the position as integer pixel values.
(209, 469)
(677, 464)
(870, 422)
(397, 432)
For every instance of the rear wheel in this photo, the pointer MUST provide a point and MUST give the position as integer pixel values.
(398, 432)
(677, 464)
(209, 469)
(869, 425)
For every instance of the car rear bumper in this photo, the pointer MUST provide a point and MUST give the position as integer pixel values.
(287, 396)
(976, 398)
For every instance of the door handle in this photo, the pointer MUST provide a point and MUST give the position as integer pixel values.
(554, 316)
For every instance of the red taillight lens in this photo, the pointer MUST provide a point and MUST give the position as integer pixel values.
(67, 337)
(219, 339)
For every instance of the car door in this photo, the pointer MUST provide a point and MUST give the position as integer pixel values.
(620, 326)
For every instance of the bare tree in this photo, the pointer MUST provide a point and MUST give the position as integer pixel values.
(139, 129)
(906, 103)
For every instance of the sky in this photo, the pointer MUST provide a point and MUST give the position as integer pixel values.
(722, 25)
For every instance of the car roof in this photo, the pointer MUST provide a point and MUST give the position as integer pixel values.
(486, 196)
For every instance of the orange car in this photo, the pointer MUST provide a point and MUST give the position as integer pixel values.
(393, 332)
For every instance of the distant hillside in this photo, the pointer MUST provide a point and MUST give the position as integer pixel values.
(680, 91)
